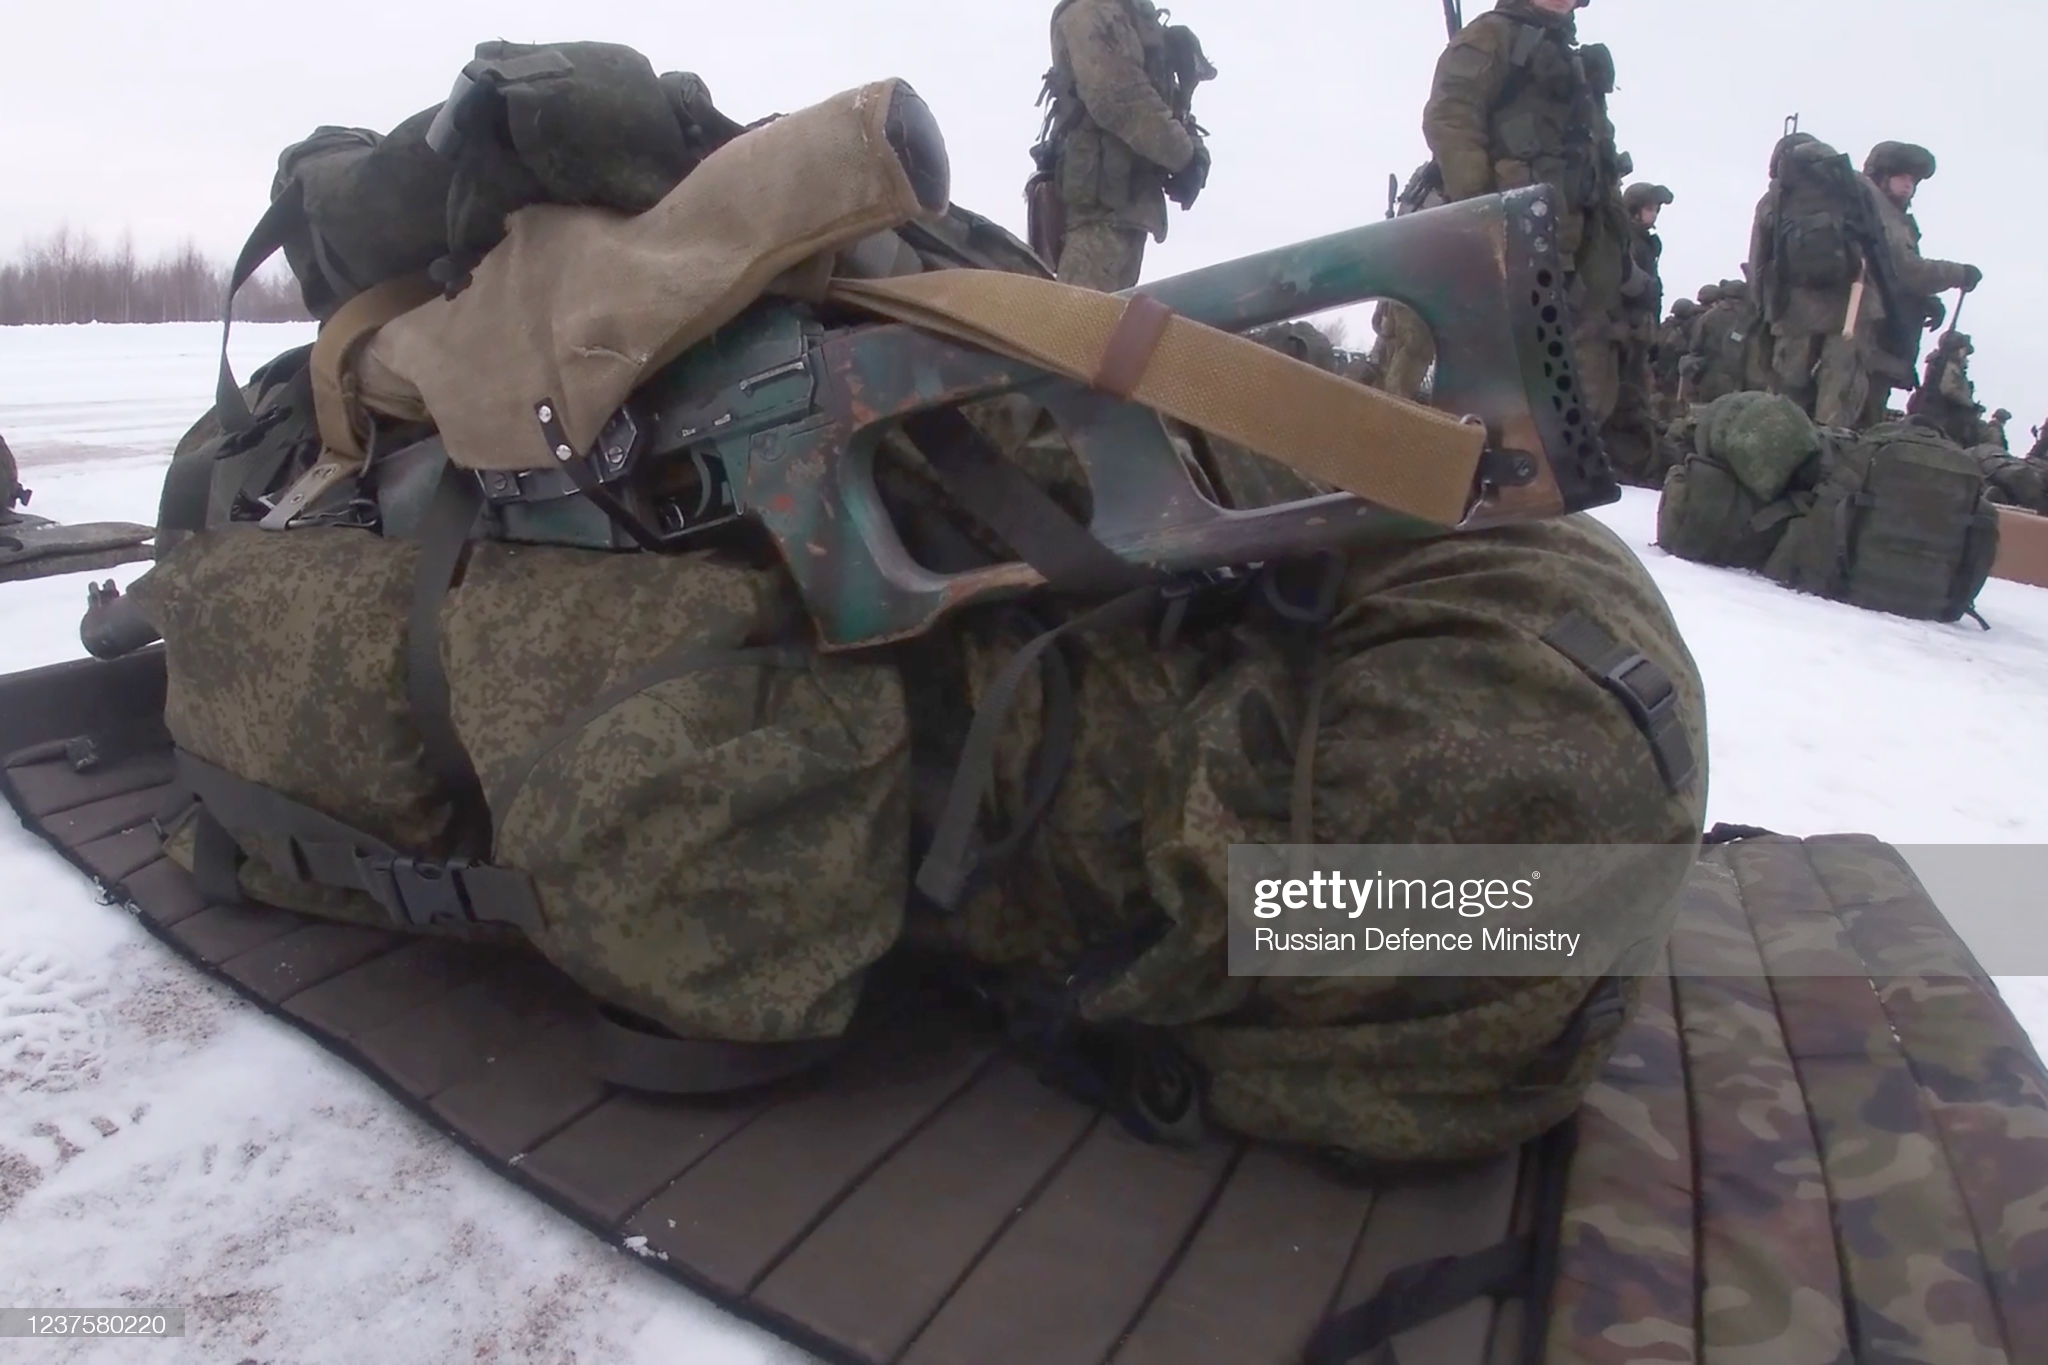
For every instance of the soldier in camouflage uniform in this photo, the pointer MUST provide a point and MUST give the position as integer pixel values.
(1403, 349)
(1946, 397)
(1993, 433)
(11, 491)
(1854, 375)
(1516, 101)
(1631, 433)
(1119, 148)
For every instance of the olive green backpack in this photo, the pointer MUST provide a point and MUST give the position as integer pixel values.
(1748, 476)
(1902, 522)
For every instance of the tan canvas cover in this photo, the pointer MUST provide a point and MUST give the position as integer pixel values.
(578, 305)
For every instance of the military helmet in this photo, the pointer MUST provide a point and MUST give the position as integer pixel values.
(1636, 198)
(1955, 341)
(1899, 158)
(1710, 294)
(1684, 308)
(2002, 415)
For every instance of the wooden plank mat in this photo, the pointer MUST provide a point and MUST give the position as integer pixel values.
(927, 1200)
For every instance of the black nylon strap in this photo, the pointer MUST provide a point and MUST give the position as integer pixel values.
(417, 892)
(1523, 1265)
(992, 489)
(633, 1057)
(286, 212)
(443, 540)
(951, 859)
(214, 869)
(1640, 685)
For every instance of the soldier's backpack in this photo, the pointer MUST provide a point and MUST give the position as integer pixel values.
(568, 123)
(1812, 244)
(1902, 522)
(1748, 476)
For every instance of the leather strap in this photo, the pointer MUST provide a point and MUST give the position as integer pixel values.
(1402, 456)
(1130, 348)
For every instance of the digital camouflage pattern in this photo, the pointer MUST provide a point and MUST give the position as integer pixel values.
(720, 847)
(1115, 136)
(1444, 719)
(286, 664)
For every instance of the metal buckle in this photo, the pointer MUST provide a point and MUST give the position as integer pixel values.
(418, 892)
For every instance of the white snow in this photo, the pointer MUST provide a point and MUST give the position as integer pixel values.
(163, 1143)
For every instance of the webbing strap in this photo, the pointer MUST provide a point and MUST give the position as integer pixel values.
(1523, 1265)
(635, 1057)
(999, 494)
(416, 892)
(951, 859)
(1645, 689)
(1397, 454)
(335, 409)
(286, 212)
(443, 541)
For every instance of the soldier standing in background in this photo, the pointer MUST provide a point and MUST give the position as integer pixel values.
(1862, 361)
(1946, 397)
(1994, 431)
(1632, 432)
(1403, 349)
(1516, 101)
(1119, 139)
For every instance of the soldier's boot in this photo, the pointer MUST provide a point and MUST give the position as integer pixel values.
(1102, 256)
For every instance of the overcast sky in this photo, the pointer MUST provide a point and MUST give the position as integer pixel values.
(164, 119)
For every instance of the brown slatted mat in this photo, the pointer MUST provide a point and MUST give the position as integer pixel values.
(926, 1200)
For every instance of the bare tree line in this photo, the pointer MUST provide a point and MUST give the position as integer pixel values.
(69, 277)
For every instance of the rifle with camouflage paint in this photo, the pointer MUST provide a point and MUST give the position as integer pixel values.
(778, 419)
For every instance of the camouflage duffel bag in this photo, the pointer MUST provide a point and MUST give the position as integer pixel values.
(1460, 703)
(1706, 514)
(1902, 522)
(696, 818)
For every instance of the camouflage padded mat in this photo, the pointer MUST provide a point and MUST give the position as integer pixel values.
(36, 547)
(1824, 1141)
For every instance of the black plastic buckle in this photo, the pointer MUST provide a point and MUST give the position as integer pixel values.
(1647, 713)
(418, 892)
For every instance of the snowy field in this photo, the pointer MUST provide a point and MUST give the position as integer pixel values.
(160, 1138)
